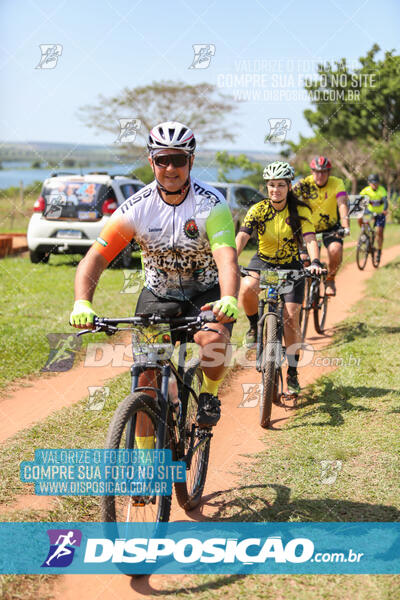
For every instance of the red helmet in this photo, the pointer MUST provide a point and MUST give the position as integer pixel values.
(320, 163)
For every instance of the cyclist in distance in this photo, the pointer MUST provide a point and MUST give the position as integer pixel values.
(186, 233)
(281, 221)
(377, 206)
(327, 199)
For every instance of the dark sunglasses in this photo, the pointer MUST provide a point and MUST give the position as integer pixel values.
(177, 160)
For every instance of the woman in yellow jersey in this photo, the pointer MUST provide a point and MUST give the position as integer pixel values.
(282, 221)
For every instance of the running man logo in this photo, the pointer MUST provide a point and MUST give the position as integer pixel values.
(128, 131)
(203, 54)
(50, 55)
(62, 547)
(63, 348)
(133, 281)
(97, 397)
(330, 470)
(251, 395)
(278, 129)
(54, 203)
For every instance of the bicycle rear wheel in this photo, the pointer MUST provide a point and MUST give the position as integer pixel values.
(374, 252)
(269, 369)
(189, 492)
(135, 509)
(305, 310)
(362, 251)
(320, 305)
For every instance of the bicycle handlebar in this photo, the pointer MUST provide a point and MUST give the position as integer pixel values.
(244, 271)
(110, 326)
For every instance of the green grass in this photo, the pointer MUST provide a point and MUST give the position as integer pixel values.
(15, 211)
(37, 300)
(348, 415)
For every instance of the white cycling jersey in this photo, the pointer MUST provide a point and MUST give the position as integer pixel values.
(177, 241)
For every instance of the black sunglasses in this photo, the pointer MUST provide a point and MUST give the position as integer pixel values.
(177, 160)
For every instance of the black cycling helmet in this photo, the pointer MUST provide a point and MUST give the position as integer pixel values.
(373, 178)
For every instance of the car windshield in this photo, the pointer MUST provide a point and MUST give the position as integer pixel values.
(72, 199)
(71, 192)
(128, 189)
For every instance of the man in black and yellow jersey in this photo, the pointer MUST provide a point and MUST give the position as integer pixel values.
(327, 199)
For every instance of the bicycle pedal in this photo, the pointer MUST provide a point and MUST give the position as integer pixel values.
(203, 432)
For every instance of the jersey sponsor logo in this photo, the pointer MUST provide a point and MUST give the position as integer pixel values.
(203, 192)
(191, 230)
(131, 201)
(153, 229)
(102, 242)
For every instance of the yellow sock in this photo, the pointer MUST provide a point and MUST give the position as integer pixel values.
(144, 442)
(210, 386)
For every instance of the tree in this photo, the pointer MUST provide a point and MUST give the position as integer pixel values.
(355, 117)
(202, 107)
(253, 170)
(360, 103)
(349, 158)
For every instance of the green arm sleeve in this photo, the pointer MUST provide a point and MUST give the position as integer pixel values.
(220, 228)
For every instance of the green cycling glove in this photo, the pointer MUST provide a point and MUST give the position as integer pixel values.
(83, 313)
(228, 305)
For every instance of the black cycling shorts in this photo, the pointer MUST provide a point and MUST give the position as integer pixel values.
(297, 293)
(328, 237)
(149, 303)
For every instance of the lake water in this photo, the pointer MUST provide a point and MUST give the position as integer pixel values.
(15, 172)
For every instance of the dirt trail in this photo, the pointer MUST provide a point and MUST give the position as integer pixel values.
(237, 434)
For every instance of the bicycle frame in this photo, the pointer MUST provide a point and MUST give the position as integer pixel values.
(150, 359)
(164, 368)
(275, 306)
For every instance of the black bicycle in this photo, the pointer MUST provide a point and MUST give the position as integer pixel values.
(315, 297)
(315, 300)
(171, 421)
(270, 352)
(366, 243)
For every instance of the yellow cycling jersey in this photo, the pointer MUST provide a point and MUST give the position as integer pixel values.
(276, 242)
(322, 200)
(377, 199)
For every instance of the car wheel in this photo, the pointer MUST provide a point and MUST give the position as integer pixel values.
(39, 257)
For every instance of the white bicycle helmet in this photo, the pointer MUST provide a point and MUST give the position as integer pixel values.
(171, 135)
(278, 170)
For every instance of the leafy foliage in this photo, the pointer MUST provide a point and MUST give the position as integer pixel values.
(202, 107)
(252, 170)
(355, 119)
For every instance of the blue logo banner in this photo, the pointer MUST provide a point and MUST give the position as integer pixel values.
(208, 548)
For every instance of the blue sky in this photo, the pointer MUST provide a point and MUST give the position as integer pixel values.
(112, 44)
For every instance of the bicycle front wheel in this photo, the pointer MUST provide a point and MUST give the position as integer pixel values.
(305, 310)
(135, 412)
(362, 252)
(269, 369)
(195, 440)
(320, 306)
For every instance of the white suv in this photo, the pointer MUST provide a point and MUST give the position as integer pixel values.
(72, 210)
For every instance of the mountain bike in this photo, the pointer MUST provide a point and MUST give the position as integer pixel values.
(171, 420)
(315, 297)
(270, 353)
(366, 243)
(315, 300)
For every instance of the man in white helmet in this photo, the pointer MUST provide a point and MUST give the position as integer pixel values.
(186, 233)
